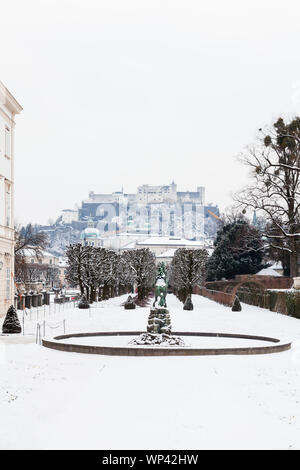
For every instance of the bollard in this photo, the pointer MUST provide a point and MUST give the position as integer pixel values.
(34, 300)
(46, 298)
(28, 300)
(40, 300)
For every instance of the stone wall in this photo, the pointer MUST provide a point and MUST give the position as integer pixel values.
(266, 282)
(269, 282)
(223, 298)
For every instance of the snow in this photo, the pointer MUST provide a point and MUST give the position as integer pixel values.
(194, 341)
(268, 272)
(170, 241)
(167, 254)
(55, 400)
(277, 265)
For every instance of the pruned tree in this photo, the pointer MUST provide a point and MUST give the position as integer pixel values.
(187, 270)
(98, 271)
(76, 255)
(126, 274)
(142, 267)
(275, 192)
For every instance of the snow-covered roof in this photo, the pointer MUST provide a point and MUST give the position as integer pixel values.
(167, 254)
(90, 232)
(31, 252)
(268, 272)
(170, 241)
(277, 265)
(130, 246)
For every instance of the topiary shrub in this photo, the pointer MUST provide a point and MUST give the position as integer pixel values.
(188, 304)
(11, 323)
(129, 304)
(236, 307)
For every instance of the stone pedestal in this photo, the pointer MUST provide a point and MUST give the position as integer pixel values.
(159, 321)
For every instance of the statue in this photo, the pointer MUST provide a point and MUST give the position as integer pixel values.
(159, 322)
(161, 286)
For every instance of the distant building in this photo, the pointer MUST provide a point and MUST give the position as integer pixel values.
(69, 215)
(122, 218)
(157, 194)
(165, 247)
(9, 107)
(146, 195)
(161, 244)
(41, 271)
(90, 236)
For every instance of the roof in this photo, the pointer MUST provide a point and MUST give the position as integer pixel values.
(171, 241)
(30, 252)
(130, 246)
(167, 254)
(268, 272)
(7, 99)
(90, 232)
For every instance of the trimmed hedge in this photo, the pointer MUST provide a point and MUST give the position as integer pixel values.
(287, 303)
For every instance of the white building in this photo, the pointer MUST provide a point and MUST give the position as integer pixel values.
(157, 194)
(164, 247)
(45, 258)
(9, 107)
(69, 215)
(91, 236)
(159, 245)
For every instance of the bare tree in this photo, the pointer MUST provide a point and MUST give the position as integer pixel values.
(275, 192)
(28, 239)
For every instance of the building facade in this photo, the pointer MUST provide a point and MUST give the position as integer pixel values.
(9, 107)
(157, 194)
(90, 236)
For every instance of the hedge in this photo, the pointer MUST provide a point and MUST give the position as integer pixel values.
(285, 302)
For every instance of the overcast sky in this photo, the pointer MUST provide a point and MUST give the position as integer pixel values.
(125, 92)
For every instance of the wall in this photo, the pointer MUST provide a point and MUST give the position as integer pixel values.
(269, 282)
(218, 296)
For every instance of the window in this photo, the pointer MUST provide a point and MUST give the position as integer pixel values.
(7, 205)
(7, 142)
(7, 283)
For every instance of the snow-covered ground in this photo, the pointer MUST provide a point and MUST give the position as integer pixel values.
(52, 400)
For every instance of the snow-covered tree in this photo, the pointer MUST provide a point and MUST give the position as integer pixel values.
(188, 269)
(75, 273)
(239, 249)
(142, 269)
(275, 192)
(98, 270)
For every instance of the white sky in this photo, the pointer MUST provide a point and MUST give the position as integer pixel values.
(125, 92)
